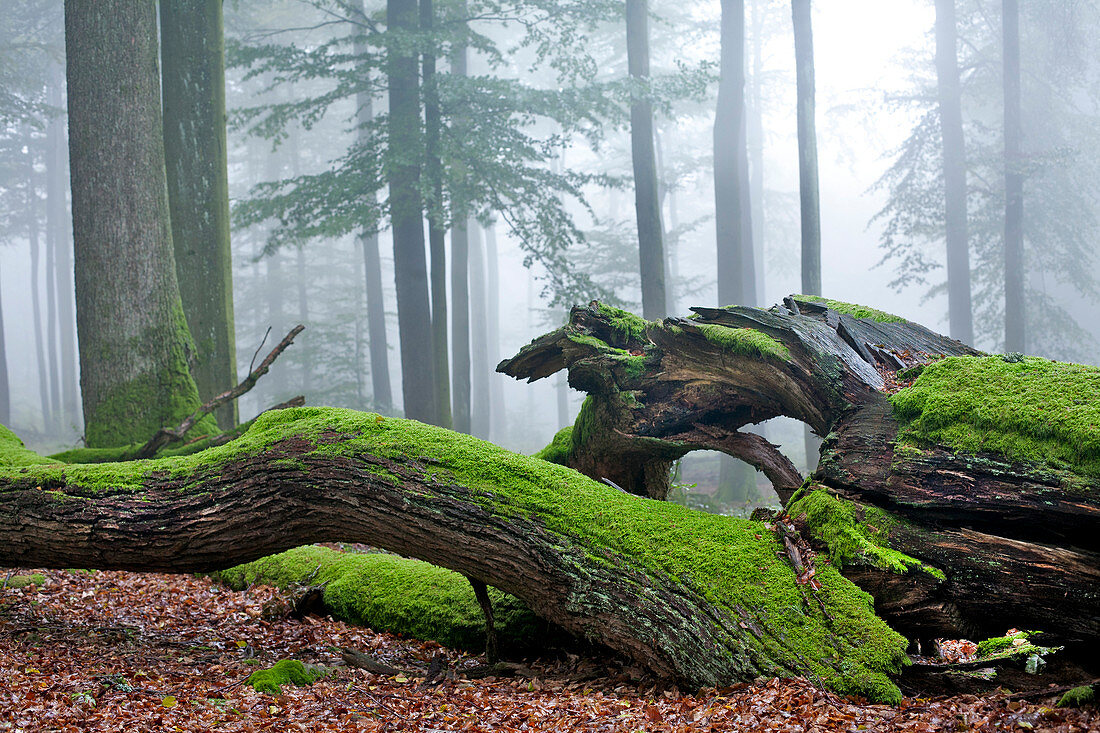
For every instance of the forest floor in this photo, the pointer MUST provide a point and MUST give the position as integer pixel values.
(116, 651)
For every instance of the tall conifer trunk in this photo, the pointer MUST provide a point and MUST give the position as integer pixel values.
(437, 232)
(193, 55)
(36, 296)
(481, 365)
(809, 194)
(134, 342)
(407, 215)
(1015, 314)
(498, 415)
(650, 249)
(954, 174)
(460, 274)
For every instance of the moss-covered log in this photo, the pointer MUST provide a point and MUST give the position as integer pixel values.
(700, 598)
(961, 490)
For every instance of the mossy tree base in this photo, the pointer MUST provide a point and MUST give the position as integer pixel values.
(703, 599)
(971, 500)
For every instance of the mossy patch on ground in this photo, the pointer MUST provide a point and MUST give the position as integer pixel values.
(13, 453)
(285, 672)
(735, 564)
(396, 594)
(1078, 697)
(1032, 410)
(852, 309)
(853, 533)
(745, 341)
(560, 448)
(22, 581)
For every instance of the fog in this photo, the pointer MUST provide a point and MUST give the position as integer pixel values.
(875, 83)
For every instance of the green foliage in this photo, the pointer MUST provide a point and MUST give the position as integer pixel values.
(737, 565)
(852, 309)
(560, 448)
(1078, 697)
(1027, 410)
(285, 672)
(396, 594)
(745, 341)
(1000, 644)
(855, 534)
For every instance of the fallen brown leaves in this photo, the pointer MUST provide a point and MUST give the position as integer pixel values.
(112, 651)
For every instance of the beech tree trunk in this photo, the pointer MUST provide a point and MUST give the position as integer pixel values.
(809, 194)
(1015, 310)
(134, 342)
(193, 55)
(1018, 543)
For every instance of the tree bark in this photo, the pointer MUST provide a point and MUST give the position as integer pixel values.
(414, 318)
(1018, 543)
(460, 275)
(647, 205)
(381, 392)
(5, 389)
(809, 194)
(1015, 311)
(480, 367)
(498, 414)
(437, 232)
(959, 306)
(730, 214)
(193, 56)
(43, 371)
(134, 342)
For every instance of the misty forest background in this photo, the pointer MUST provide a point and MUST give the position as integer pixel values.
(536, 123)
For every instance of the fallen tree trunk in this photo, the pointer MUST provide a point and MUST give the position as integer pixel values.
(982, 473)
(700, 598)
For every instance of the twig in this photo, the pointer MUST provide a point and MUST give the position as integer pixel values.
(377, 701)
(164, 436)
(257, 352)
(355, 658)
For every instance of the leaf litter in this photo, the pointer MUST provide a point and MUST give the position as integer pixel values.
(119, 651)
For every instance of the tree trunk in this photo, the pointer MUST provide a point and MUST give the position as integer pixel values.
(650, 248)
(382, 395)
(731, 216)
(5, 389)
(58, 221)
(480, 365)
(437, 232)
(809, 195)
(414, 318)
(600, 563)
(134, 343)
(460, 275)
(31, 202)
(193, 56)
(498, 415)
(954, 174)
(1015, 311)
(755, 131)
(989, 541)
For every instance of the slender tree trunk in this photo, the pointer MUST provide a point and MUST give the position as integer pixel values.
(561, 389)
(134, 342)
(193, 54)
(382, 395)
(1015, 316)
(650, 248)
(58, 221)
(5, 390)
(668, 236)
(748, 249)
(954, 174)
(755, 130)
(302, 278)
(437, 233)
(809, 195)
(51, 328)
(730, 214)
(414, 317)
(480, 364)
(498, 416)
(36, 298)
(460, 275)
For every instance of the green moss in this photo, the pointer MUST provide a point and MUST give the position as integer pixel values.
(745, 341)
(1078, 697)
(855, 534)
(285, 672)
(395, 594)
(629, 326)
(586, 340)
(21, 581)
(635, 365)
(14, 453)
(735, 564)
(1031, 410)
(560, 448)
(852, 309)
